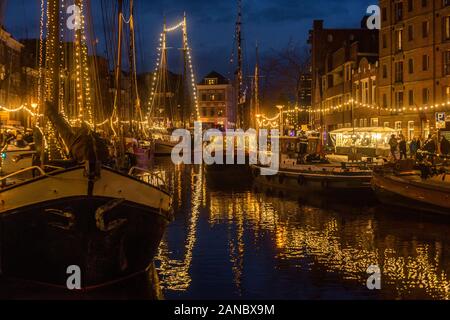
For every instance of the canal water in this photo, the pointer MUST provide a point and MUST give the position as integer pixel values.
(234, 240)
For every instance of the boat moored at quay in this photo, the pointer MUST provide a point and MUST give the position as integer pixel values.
(106, 223)
(302, 169)
(421, 191)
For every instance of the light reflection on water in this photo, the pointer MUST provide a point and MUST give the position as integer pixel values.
(230, 241)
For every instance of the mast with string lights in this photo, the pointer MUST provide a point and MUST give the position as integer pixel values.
(239, 72)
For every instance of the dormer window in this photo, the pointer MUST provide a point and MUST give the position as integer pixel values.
(212, 81)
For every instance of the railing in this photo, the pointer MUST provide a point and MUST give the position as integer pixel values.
(33, 169)
(154, 179)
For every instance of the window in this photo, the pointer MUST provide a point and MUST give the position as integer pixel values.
(410, 5)
(424, 3)
(398, 126)
(398, 11)
(446, 3)
(425, 62)
(384, 71)
(425, 29)
(330, 38)
(411, 66)
(446, 28)
(384, 101)
(425, 95)
(410, 130)
(384, 14)
(446, 62)
(211, 81)
(410, 33)
(399, 40)
(446, 94)
(374, 91)
(355, 122)
(386, 125)
(384, 40)
(365, 92)
(399, 71)
(426, 128)
(374, 122)
(361, 123)
(399, 99)
(411, 97)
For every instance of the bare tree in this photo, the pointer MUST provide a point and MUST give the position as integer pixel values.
(283, 72)
(295, 62)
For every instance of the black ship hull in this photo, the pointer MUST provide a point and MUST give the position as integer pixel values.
(411, 194)
(108, 238)
(314, 182)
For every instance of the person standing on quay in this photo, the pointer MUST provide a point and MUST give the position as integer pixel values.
(393, 143)
(402, 147)
(445, 146)
(413, 147)
(430, 145)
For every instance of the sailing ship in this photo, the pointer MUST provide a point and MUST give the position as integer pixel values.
(78, 211)
(173, 98)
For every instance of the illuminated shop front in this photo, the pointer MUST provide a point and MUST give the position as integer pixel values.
(371, 142)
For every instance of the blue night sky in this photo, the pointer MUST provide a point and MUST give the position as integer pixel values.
(211, 25)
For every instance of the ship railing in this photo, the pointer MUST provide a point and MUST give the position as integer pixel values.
(153, 178)
(435, 155)
(36, 171)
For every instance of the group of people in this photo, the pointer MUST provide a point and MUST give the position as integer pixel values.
(17, 138)
(399, 145)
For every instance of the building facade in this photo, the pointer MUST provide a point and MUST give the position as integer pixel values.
(343, 77)
(10, 77)
(217, 102)
(414, 73)
(304, 96)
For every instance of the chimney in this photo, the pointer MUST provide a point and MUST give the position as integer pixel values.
(318, 25)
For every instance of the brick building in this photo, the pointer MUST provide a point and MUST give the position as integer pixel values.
(10, 77)
(414, 73)
(342, 59)
(217, 101)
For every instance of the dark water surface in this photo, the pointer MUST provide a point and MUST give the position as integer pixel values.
(233, 240)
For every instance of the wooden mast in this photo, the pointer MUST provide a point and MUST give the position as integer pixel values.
(118, 108)
(239, 73)
(255, 104)
(186, 107)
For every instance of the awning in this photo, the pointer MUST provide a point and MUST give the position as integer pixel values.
(363, 130)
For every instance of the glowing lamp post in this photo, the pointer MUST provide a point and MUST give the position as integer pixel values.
(280, 108)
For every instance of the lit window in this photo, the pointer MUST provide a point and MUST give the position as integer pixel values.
(446, 29)
(446, 62)
(410, 130)
(399, 37)
(398, 126)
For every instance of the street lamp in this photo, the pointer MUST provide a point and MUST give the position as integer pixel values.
(280, 108)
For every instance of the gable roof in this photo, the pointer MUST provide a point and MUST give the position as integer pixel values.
(215, 75)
